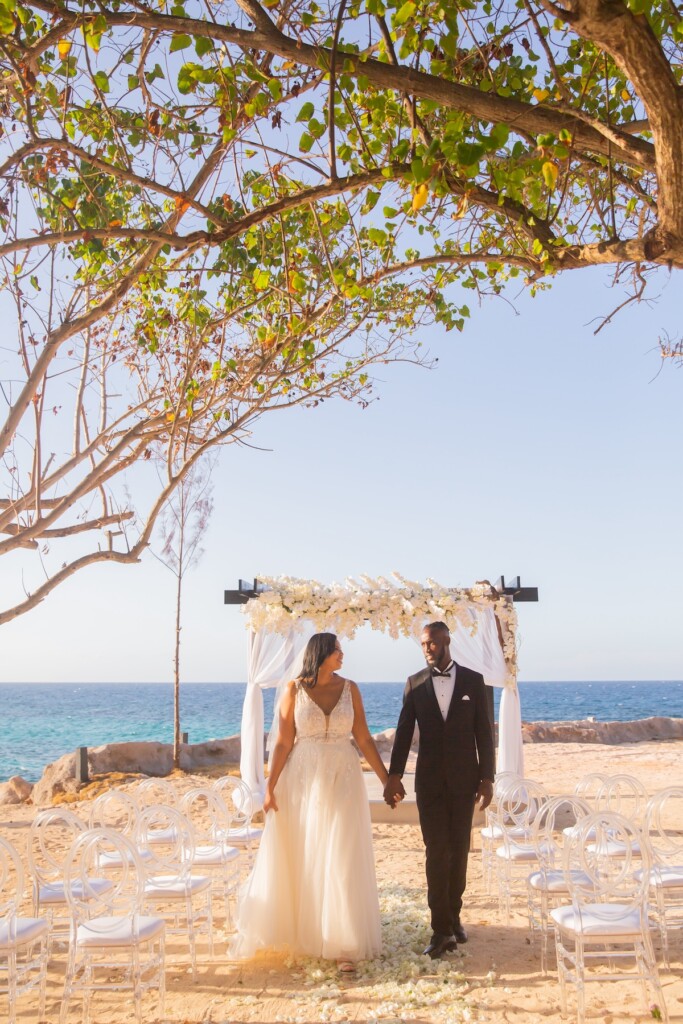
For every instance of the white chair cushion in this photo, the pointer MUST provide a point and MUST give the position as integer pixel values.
(496, 832)
(604, 920)
(175, 889)
(664, 877)
(554, 881)
(214, 854)
(162, 835)
(245, 834)
(55, 892)
(614, 848)
(114, 860)
(518, 852)
(24, 930)
(569, 831)
(111, 932)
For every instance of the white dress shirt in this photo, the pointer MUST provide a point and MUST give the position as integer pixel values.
(443, 688)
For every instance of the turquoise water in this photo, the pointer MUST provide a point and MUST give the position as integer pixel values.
(42, 721)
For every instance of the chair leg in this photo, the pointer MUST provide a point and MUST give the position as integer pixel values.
(653, 975)
(559, 954)
(68, 987)
(12, 984)
(192, 939)
(162, 976)
(44, 956)
(663, 931)
(579, 967)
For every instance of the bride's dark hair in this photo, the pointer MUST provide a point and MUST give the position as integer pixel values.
(319, 647)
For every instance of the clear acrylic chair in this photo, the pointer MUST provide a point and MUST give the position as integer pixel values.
(213, 854)
(517, 856)
(118, 811)
(547, 886)
(50, 838)
(588, 787)
(114, 946)
(156, 792)
(23, 940)
(664, 828)
(238, 799)
(171, 890)
(627, 796)
(492, 833)
(606, 924)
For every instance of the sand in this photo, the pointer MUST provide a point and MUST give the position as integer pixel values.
(495, 977)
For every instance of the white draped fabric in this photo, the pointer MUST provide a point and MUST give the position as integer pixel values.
(482, 653)
(274, 659)
(271, 657)
(510, 749)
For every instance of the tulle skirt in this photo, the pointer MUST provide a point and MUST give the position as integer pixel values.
(312, 889)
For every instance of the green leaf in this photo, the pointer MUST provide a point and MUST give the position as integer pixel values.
(306, 112)
(405, 12)
(179, 42)
(499, 135)
(202, 45)
(261, 279)
(186, 82)
(101, 81)
(306, 143)
(469, 153)
(275, 89)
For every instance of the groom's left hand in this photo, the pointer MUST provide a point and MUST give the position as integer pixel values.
(484, 794)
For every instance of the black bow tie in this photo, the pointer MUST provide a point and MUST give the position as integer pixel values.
(436, 673)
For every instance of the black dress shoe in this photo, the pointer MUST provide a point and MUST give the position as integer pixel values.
(459, 933)
(439, 945)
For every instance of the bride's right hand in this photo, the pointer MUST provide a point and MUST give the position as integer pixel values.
(269, 802)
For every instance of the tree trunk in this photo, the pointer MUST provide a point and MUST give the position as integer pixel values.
(176, 677)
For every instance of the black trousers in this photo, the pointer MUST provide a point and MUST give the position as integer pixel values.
(446, 822)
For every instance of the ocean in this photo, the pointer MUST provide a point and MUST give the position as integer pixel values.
(42, 721)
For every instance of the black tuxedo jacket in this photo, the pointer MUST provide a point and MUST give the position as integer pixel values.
(454, 754)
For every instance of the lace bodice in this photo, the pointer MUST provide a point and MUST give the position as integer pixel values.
(312, 722)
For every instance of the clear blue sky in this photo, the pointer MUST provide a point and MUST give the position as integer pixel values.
(533, 448)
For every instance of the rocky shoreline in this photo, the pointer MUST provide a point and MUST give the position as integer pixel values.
(149, 758)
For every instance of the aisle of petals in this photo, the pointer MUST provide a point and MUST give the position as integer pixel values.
(396, 987)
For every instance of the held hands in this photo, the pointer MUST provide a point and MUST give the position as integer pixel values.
(394, 791)
(484, 794)
(269, 801)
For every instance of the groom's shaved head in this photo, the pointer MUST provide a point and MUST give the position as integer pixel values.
(438, 627)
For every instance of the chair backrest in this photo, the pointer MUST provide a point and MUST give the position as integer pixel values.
(547, 833)
(155, 791)
(207, 812)
(663, 826)
(594, 874)
(237, 798)
(85, 894)
(116, 810)
(11, 880)
(165, 840)
(520, 802)
(50, 838)
(590, 785)
(623, 794)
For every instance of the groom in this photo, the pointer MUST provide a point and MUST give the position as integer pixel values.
(455, 768)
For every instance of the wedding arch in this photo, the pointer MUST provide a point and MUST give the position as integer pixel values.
(283, 612)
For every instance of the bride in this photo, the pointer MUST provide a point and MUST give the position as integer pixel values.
(312, 889)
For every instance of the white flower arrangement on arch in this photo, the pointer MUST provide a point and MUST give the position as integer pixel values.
(396, 606)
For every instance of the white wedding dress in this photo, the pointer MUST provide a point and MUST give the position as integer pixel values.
(312, 889)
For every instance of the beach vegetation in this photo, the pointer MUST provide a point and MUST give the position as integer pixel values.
(220, 208)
